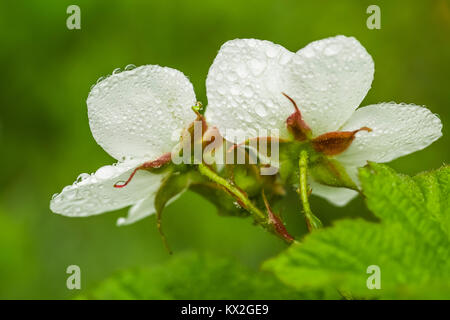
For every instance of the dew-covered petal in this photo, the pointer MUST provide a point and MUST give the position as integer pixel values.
(397, 130)
(337, 196)
(142, 209)
(244, 89)
(328, 79)
(140, 112)
(95, 193)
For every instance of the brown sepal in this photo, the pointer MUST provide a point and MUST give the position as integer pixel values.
(276, 222)
(295, 123)
(335, 142)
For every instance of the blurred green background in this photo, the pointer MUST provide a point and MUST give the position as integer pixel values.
(47, 71)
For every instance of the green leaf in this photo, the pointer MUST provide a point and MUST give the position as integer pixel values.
(410, 245)
(193, 276)
(436, 189)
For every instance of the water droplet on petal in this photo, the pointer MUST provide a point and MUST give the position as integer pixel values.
(235, 90)
(248, 92)
(332, 49)
(105, 172)
(82, 176)
(308, 52)
(257, 66)
(260, 110)
(100, 79)
(242, 71)
(285, 58)
(272, 51)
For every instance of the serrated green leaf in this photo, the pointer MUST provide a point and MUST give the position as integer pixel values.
(410, 244)
(193, 276)
(435, 187)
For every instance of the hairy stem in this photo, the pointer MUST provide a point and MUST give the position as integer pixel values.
(243, 200)
(311, 220)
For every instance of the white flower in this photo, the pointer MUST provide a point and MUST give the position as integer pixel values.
(328, 79)
(132, 116)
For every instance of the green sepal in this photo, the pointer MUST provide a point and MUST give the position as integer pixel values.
(174, 184)
(225, 204)
(331, 173)
(247, 178)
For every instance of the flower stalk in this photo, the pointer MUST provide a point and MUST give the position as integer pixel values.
(312, 221)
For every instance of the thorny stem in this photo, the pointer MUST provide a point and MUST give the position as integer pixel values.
(311, 220)
(235, 192)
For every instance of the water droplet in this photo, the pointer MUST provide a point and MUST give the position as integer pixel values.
(308, 52)
(298, 59)
(231, 77)
(271, 51)
(235, 90)
(242, 71)
(130, 67)
(285, 58)
(82, 177)
(257, 66)
(105, 172)
(332, 49)
(260, 110)
(251, 43)
(248, 92)
(100, 79)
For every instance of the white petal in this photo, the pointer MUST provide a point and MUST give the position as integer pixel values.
(337, 196)
(135, 113)
(244, 89)
(328, 79)
(397, 130)
(95, 193)
(142, 209)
